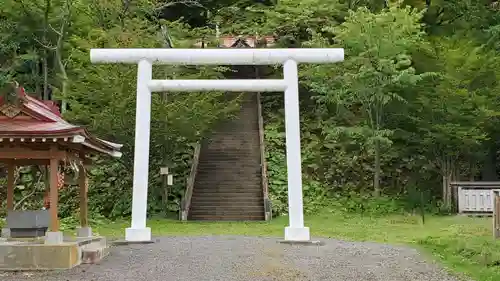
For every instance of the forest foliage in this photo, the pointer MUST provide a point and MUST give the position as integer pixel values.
(414, 105)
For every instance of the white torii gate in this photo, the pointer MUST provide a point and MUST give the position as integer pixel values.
(145, 58)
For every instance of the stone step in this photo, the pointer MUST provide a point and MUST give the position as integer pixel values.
(243, 146)
(229, 167)
(241, 162)
(213, 175)
(242, 133)
(212, 206)
(227, 217)
(224, 170)
(227, 214)
(228, 199)
(247, 138)
(229, 130)
(230, 205)
(94, 252)
(243, 200)
(216, 172)
(226, 206)
(225, 187)
(251, 158)
(227, 209)
(228, 180)
(228, 193)
(237, 160)
(228, 183)
(221, 196)
(253, 192)
(206, 198)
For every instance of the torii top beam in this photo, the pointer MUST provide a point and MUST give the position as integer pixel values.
(216, 56)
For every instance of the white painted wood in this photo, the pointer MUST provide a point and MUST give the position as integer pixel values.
(216, 56)
(78, 139)
(138, 230)
(296, 230)
(163, 170)
(242, 85)
(170, 180)
(476, 200)
(145, 58)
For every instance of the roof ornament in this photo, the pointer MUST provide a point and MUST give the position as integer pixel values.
(13, 97)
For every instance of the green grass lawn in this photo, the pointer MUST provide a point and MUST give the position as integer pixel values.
(464, 245)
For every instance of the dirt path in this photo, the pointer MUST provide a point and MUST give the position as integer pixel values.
(234, 258)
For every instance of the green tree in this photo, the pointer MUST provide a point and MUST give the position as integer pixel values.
(378, 67)
(453, 114)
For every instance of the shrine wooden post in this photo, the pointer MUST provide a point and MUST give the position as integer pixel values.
(84, 230)
(496, 214)
(54, 191)
(54, 236)
(10, 185)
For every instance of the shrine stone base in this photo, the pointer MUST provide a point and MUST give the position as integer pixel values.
(83, 232)
(35, 254)
(5, 233)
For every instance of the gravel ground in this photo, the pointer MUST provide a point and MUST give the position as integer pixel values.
(233, 258)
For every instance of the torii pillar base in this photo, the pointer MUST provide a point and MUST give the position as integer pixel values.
(297, 234)
(138, 234)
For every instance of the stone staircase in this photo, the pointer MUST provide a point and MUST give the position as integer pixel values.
(228, 183)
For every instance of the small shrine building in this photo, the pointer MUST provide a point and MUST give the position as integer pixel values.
(32, 132)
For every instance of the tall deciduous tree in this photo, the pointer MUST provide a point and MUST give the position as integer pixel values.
(454, 114)
(378, 67)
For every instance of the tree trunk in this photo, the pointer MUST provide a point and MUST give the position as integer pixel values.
(45, 94)
(472, 170)
(376, 178)
(59, 58)
(168, 43)
(35, 71)
(64, 84)
(489, 170)
(447, 174)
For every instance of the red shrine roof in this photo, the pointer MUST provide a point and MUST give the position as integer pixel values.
(248, 42)
(240, 42)
(29, 119)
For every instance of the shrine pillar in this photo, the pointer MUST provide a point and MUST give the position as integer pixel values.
(54, 236)
(138, 230)
(10, 194)
(10, 186)
(84, 230)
